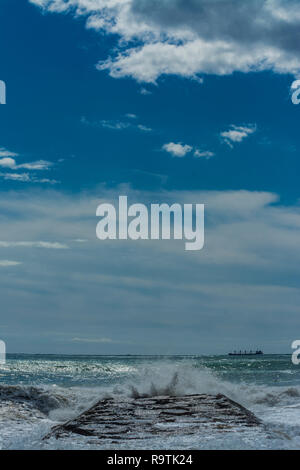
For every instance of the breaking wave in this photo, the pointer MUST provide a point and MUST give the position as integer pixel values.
(273, 404)
(166, 379)
(41, 399)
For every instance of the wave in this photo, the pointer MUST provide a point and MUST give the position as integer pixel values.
(276, 397)
(184, 379)
(152, 380)
(58, 404)
(41, 399)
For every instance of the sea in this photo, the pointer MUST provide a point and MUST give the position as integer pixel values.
(38, 392)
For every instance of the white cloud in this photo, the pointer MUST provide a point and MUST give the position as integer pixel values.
(248, 270)
(203, 154)
(237, 134)
(144, 91)
(131, 116)
(9, 162)
(144, 128)
(26, 178)
(193, 37)
(44, 180)
(7, 153)
(187, 60)
(38, 165)
(93, 340)
(177, 150)
(181, 150)
(109, 124)
(23, 177)
(34, 244)
(116, 124)
(6, 263)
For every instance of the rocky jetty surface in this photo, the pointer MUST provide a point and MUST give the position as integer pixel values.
(115, 420)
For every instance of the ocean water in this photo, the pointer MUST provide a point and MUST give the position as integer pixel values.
(40, 391)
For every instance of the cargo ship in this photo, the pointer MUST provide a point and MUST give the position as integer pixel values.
(258, 352)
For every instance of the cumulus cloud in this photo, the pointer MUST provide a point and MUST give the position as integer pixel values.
(177, 150)
(181, 150)
(203, 153)
(9, 162)
(192, 38)
(237, 134)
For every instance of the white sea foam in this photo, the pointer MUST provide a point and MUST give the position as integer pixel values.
(27, 412)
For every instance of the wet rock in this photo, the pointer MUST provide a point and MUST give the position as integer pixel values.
(115, 420)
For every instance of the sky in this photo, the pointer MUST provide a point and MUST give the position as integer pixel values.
(162, 101)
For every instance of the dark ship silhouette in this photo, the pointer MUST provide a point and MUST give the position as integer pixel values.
(258, 352)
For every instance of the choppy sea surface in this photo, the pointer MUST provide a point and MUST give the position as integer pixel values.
(40, 391)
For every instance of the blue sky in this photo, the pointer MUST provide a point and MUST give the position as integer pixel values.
(106, 98)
